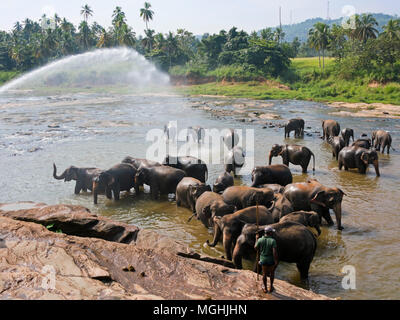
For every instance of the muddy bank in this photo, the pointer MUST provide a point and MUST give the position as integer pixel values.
(111, 260)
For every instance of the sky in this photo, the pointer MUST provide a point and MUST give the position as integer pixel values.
(197, 16)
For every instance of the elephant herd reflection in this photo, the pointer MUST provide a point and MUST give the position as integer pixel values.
(237, 213)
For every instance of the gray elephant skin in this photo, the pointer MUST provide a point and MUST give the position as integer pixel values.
(162, 180)
(230, 226)
(188, 191)
(360, 158)
(292, 153)
(244, 196)
(313, 196)
(120, 177)
(275, 173)
(295, 244)
(83, 176)
(211, 204)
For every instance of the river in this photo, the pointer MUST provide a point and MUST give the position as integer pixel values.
(99, 130)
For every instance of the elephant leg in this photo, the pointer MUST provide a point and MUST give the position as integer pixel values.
(227, 242)
(108, 193)
(303, 268)
(154, 192)
(78, 187)
(116, 191)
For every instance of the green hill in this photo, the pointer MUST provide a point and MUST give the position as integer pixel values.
(300, 30)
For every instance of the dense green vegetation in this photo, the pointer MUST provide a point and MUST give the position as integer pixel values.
(348, 59)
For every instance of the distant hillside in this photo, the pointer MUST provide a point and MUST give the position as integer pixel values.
(300, 30)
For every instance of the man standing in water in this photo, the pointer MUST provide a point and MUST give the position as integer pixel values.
(268, 256)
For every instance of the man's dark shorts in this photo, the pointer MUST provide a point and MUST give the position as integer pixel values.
(266, 264)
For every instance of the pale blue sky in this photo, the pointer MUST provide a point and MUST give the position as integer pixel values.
(197, 16)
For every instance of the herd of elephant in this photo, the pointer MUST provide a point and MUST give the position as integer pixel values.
(237, 213)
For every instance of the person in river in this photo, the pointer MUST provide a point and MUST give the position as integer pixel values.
(268, 256)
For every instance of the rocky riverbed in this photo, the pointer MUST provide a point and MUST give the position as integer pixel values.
(66, 252)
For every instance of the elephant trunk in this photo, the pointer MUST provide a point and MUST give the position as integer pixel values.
(318, 229)
(95, 191)
(376, 165)
(237, 255)
(217, 235)
(55, 173)
(338, 213)
(270, 158)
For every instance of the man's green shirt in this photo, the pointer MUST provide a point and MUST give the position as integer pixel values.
(266, 244)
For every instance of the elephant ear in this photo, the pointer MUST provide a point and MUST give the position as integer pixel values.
(319, 199)
(74, 173)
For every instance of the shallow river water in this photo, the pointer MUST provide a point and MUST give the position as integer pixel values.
(99, 130)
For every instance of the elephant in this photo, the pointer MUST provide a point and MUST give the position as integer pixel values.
(360, 158)
(295, 244)
(192, 166)
(120, 177)
(330, 128)
(382, 138)
(296, 125)
(223, 181)
(83, 177)
(276, 188)
(188, 191)
(313, 196)
(363, 143)
(230, 226)
(306, 218)
(230, 138)
(138, 162)
(347, 134)
(337, 143)
(276, 173)
(281, 207)
(210, 205)
(196, 132)
(293, 153)
(234, 159)
(161, 179)
(244, 196)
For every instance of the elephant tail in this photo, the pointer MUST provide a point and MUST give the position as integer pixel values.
(392, 148)
(206, 174)
(313, 169)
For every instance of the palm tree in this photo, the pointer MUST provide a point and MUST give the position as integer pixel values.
(319, 39)
(392, 30)
(105, 40)
(365, 27)
(148, 41)
(146, 13)
(86, 12)
(84, 34)
(279, 35)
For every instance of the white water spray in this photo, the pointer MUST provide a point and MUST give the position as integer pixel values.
(117, 67)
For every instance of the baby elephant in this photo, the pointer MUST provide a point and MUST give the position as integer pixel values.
(188, 191)
(306, 218)
(225, 180)
(275, 173)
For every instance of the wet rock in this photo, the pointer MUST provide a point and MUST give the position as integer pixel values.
(89, 267)
(34, 149)
(53, 125)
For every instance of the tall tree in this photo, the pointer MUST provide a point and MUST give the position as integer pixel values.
(365, 27)
(86, 12)
(146, 13)
(318, 37)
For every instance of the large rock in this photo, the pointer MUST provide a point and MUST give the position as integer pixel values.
(104, 264)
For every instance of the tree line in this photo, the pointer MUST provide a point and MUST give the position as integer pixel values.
(33, 43)
(359, 50)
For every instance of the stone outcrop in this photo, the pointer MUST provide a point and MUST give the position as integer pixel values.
(97, 258)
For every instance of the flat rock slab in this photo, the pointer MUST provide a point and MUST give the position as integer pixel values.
(36, 263)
